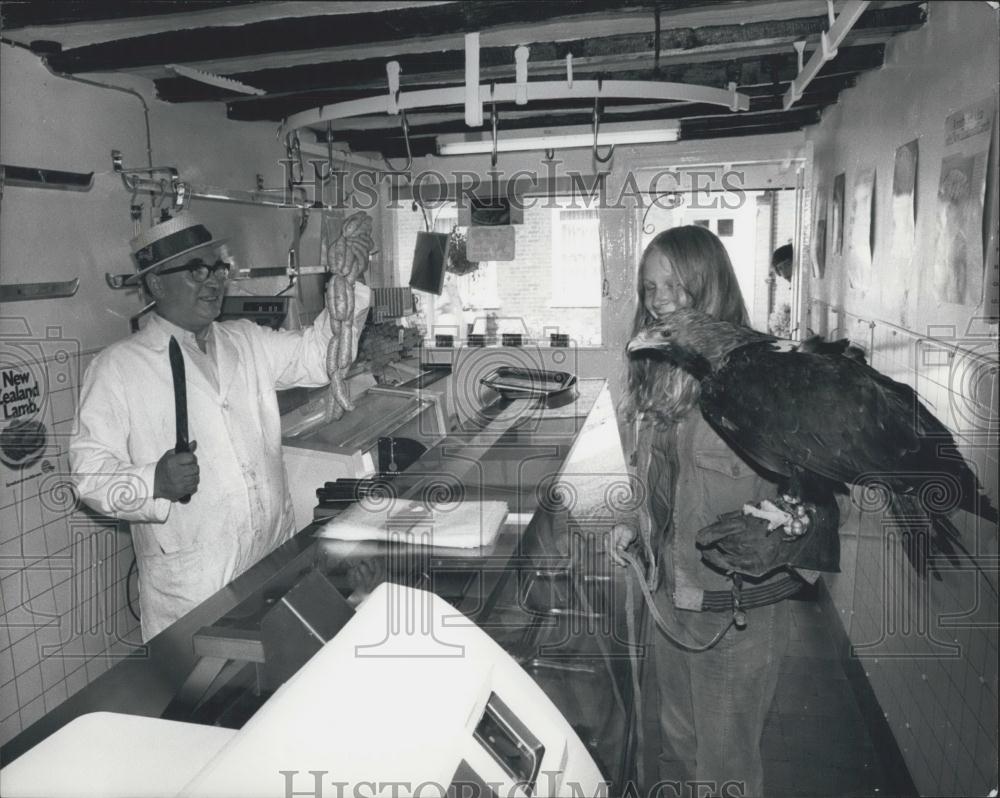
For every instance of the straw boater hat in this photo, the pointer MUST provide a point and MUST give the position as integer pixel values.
(169, 240)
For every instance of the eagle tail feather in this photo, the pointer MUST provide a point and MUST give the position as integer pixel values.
(926, 535)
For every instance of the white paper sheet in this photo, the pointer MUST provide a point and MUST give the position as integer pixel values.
(464, 524)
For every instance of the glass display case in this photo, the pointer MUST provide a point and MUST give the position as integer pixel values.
(543, 589)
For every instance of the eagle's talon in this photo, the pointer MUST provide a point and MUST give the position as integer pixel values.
(775, 516)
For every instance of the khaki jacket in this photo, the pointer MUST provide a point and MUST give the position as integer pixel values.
(691, 477)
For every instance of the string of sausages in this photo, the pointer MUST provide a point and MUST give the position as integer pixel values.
(347, 258)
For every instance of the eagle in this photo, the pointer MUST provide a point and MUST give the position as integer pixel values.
(817, 416)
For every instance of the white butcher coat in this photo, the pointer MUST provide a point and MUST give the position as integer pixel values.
(242, 509)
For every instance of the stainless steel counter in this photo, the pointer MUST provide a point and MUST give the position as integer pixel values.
(542, 589)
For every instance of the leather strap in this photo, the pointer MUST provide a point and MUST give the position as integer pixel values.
(760, 596)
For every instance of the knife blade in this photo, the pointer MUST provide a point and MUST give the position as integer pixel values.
(180, 401)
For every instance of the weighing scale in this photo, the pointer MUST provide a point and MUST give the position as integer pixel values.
(409, 692)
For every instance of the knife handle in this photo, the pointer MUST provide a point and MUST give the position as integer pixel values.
(183, 446)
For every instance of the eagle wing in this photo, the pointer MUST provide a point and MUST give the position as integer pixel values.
(830, 415)
(823, 415)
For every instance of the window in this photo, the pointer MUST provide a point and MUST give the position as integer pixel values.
(576, 258)
(725, 228)
(553, 285)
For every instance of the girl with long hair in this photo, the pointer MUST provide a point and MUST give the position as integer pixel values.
(712, 702)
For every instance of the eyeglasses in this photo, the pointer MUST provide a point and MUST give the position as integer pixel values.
(201, 271)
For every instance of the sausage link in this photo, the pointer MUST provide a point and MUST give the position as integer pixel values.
(334, 410)
(339, 388)
(341, 291)
(332, 355)
(346, 347)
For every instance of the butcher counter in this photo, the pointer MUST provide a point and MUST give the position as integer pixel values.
(544, 589)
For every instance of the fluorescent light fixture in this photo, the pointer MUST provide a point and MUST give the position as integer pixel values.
(560, 138)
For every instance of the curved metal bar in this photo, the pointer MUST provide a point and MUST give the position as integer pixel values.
(505, 92)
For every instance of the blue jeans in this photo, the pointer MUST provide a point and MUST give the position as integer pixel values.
(713, 704)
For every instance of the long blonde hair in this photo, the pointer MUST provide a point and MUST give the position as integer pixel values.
(702, 267)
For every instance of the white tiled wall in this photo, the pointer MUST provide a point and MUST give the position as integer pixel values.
(929, 646)
(64, 619)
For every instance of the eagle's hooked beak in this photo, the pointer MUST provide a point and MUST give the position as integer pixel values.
(647, 340)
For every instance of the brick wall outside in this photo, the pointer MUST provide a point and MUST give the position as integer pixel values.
(528, 297)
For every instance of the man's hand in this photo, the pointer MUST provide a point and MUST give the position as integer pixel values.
(176, 475)
(620, 538)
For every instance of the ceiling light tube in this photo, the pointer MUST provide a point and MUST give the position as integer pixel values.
(560, 138)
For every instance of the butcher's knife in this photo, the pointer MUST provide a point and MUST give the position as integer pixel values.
(180, 402)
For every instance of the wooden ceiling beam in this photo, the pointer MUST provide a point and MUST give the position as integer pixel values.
(71, 12)
(548, 58)
(325, 32)
(802, 116)
(71, 33)
(784, 124)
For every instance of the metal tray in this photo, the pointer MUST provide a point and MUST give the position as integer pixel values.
(519, 383)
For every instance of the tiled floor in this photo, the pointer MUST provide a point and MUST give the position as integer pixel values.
(815, 740)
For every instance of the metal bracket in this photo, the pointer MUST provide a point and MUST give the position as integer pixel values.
(165, 181)
(829, 40)
(521, 75)
(392, 73)
(471, 90)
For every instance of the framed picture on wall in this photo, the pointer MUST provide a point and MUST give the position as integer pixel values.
(904, 199)
(958, 265)
(837, 211)
(903, 221)
(862, 235)
(819, 234)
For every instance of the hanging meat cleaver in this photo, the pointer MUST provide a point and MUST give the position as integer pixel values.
(180, 402)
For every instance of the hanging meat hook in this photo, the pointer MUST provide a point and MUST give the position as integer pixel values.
(406, 140)
(597, 125)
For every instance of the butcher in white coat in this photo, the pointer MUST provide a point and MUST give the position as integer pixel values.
(123, 457)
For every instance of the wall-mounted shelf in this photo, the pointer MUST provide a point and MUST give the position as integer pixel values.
(32, 177)
(22, 292)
